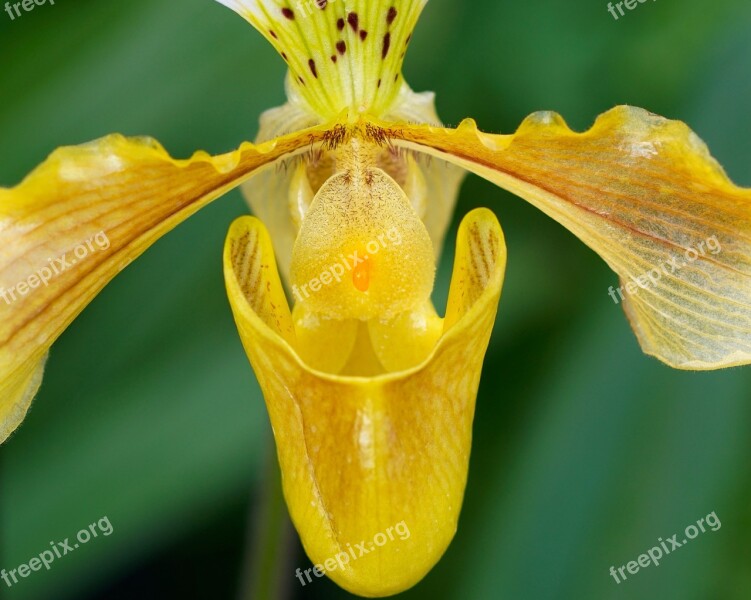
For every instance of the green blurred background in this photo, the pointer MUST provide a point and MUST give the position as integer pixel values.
(585, 450)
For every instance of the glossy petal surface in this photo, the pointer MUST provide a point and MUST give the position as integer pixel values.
(645, 194)
(80, 218)
(360, 455)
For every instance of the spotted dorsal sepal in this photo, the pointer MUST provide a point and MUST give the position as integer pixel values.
(342, 54)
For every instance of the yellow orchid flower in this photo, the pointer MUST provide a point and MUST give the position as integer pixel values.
(353, 181)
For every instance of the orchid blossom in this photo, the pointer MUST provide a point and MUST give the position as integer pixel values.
(353, 183)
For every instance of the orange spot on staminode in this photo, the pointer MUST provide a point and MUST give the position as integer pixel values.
(361, 275)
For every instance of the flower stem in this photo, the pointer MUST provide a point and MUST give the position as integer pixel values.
(270, 539)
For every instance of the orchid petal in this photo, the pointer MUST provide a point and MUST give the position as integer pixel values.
(80, 218)
(341, 55)
(645, 194)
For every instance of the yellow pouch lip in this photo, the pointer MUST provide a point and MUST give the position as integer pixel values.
(359, 454)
